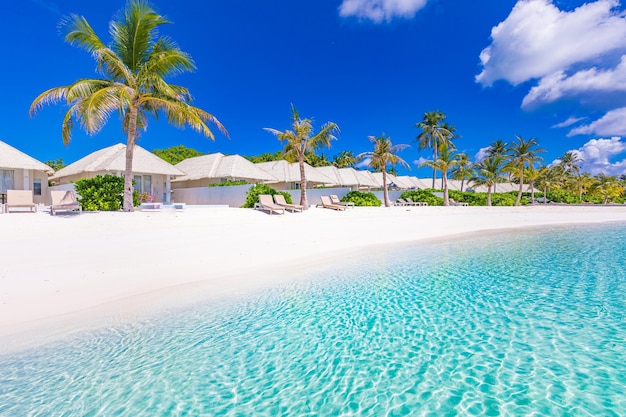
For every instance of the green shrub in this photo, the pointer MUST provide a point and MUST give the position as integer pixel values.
(252, 196)
(362, 199)
(425, 196)
(563, 196)
(228, 183)
(104, 193)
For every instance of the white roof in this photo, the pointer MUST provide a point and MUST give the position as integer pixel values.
(113, 159)
(406, 182)
(366, 179)
(217, 165)
(11, 158)
(501, 187)
(286, 172)
(391, 179)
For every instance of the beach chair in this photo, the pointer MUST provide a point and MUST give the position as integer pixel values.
(280, 200)
(400, 202)
(20, 199)
(335, 200)
(326, 203)
(457, 203)
(266, 203)
(416, 203)
(64, 201)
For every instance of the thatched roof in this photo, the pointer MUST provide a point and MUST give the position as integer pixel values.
(216, 165)
(286, 172)
(113, 159)
(366, 179)
(11, 158)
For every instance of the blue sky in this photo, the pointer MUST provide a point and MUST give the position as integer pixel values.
(553, 70)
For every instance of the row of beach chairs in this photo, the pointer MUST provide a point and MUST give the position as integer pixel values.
(277, 204)
(409, 202)
(23, 200)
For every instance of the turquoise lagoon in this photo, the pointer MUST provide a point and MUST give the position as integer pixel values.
(514, 323)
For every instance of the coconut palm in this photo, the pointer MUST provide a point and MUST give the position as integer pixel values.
(570, 162)
(433, 134)
(446, 160)
(532, 174)
(549, 179)
(463, 170)
(489, 172)
(384, 155)
(300, 140)
(345, 159)
(522, 153)
(581, 184)
(498, 147)
(134, 67)
(609, 187)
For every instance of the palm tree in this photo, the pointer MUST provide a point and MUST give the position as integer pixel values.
(345, 159)
(497, 147)
(432, 135)
(582, 183)
(489, 172)
(549, 179)
(532, 174)
(609, 187)
(384, 154)
(446, 160)
(463, 170)
(522, 154)
(134, 68)
(570, 162)
(300, 141)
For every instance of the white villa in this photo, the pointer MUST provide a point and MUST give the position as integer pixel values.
(19, 171)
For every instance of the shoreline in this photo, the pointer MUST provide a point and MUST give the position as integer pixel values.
(65, 274)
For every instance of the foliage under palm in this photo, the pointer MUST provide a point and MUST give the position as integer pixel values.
(384, 154)
(489, 172)
(301, 140)
(134, 67)
(446, 160)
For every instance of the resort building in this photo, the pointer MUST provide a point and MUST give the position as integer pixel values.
(288, 175)
(152, 174)
(19, 171)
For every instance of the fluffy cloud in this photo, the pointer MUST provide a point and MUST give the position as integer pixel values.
(558, 85)
(482, 154)
(598, 153)
(612, 123)
(420, 161)
(538, 40)
(380, 10)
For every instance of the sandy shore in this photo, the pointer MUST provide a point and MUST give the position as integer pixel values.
(64, 273)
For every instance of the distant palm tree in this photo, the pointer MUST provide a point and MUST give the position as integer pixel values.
(549, 179)
(433, 134)
(498, 147)
(446, 160)
(570, 162)
(609, 187)
(384, 154)
(582, 183)
(489, 172)
(523, 153)
(134, 67)
(301, 140)
(345, 159)
(532, 174)
(463, 170)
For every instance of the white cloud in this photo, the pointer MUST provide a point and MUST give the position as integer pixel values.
(380, 10)
(420, 161)
(611, 124)
(482, 154)
(558, 85)
(365, 163)
(538, 40)
(570, 121)
(597, 154)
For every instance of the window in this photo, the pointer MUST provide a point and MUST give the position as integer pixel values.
(7, 180)
(143, 183)
(37, 186)
(137, 186)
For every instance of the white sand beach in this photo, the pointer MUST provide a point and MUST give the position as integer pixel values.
(70, 272)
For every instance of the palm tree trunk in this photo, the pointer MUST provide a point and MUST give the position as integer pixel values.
(580, 194)
(489, 195)
(462, 182)
(434, 169)
(444, 179)
(130, 149)
(521, 187)
(303, 201)
(385, 191)
(532, 192)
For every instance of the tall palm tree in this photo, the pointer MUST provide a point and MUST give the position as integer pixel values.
(463, 170)
(345, 159)
(489, 172)
(300, 140)
(446, 160)
(570, 162)
(523, 153)
(549, 179)
(134, 67)
(582, 183)
(432, 135)
(609, 187)
(532, 174)
(384, 154)
(497, 147)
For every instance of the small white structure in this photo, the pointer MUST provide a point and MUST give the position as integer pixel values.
(288, 175)
(215, 168)
(152, 174)
(19, 171)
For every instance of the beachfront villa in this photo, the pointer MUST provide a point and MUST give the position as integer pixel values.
(288, 175)
(152, 174)
(216, 168)
(19, 171)
(349, 177)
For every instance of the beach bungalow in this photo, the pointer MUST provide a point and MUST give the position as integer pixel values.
(19, 171)
(152, 174)
(201, 171)
(288, 175)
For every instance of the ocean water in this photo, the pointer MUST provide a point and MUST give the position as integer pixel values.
(514, 323)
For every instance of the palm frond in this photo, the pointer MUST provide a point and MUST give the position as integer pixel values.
(51, 96)
(79, 33)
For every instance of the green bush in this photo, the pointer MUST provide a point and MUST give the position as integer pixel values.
(228, 183)
(252, 196)
(425, 196)
(362, 199)
(104, 193)
(563, 196)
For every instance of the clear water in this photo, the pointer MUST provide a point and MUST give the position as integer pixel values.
(521, 323)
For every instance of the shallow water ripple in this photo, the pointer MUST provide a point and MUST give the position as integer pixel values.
(524, 324)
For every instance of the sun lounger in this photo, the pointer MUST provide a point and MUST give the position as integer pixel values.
(407, 202)
(64, 201)
(326, 203)
(457, 203)
(266, 203)
(416, 203)
(280, 200)
(20, 199)
(335, 200)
